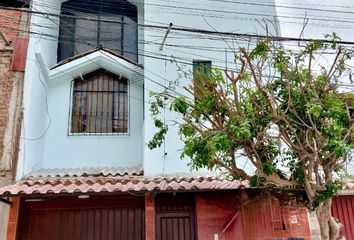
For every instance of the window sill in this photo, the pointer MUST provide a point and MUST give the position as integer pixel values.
(99, 134)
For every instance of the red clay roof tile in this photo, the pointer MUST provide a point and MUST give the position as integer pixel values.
(118, 184)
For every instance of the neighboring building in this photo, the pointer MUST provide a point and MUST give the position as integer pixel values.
(13, 49)
(84, 170)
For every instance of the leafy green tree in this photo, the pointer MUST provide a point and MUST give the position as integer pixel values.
(285, 115)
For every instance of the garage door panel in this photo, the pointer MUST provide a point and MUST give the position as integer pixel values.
(76, 219)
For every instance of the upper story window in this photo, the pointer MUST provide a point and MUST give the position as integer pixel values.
(201, 67)
(84, 25)
(100, 104)
(201, 70)
(15, 3)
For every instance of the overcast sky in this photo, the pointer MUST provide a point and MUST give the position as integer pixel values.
(333, 16)
(339, 22)
(331, 22)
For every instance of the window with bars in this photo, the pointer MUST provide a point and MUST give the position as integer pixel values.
(100, 104)
(85, 25)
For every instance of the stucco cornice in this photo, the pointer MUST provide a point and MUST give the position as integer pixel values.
(93, 61)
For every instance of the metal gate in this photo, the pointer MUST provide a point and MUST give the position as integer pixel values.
(90, 219)
(175, 217)
(343, 209)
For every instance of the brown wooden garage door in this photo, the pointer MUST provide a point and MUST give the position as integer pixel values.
(175, 217)
(86, 219)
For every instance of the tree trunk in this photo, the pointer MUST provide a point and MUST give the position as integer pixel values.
(329, 227)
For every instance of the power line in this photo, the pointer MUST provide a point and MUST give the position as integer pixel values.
(316, 18)
(175, 12)
(224, 1)
(282, 6)
(202, 31)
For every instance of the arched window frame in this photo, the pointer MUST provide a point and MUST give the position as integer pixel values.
(72, 132)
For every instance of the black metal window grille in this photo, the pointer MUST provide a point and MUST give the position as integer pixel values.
(85, 25)
(100, 104)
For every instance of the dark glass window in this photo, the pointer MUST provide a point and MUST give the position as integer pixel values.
(85, 25)
(15, 3)
(201, 67)
(201, 70)
(100, 104)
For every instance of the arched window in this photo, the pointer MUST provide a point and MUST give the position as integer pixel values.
(100, 104)
(84, 25)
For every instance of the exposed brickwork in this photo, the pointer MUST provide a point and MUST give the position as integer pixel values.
(13, 24)
(10, 22)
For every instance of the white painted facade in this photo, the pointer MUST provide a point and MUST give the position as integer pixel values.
(45, 140)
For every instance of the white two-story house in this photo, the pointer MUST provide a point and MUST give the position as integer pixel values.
(84, 169)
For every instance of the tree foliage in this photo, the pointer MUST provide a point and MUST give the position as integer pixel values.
(278, 110)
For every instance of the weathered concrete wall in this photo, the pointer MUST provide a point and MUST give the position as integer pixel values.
(4, 215)
(10, 106)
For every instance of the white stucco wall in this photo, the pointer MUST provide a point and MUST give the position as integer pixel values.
(45, 143)
(55, 149)
(67, 151)
(35, 116)
(221, 16)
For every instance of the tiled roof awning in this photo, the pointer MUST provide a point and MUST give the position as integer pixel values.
(118, 184)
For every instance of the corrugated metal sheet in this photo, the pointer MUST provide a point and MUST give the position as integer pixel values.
(343, 209)
(118, 184)
(84, 172)
(19, 54)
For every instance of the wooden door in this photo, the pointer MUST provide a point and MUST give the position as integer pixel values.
(89, 219)
(175, 217)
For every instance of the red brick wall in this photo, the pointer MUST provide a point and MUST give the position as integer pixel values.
(11, 84)
(10, 22)
(250, 220)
